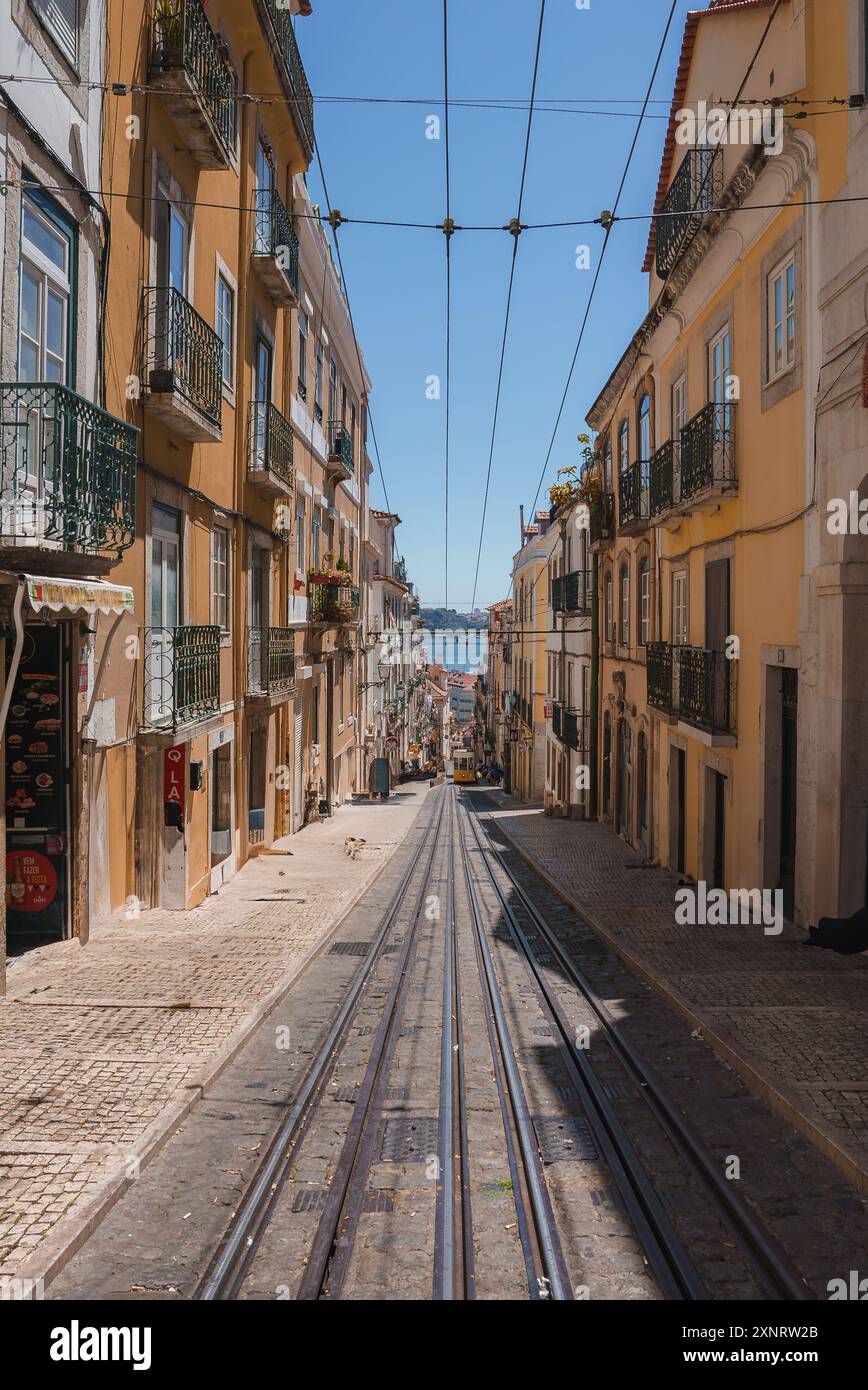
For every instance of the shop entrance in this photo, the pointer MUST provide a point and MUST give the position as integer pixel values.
(38, 791)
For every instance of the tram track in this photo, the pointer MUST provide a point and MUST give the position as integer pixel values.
(776, 1275)
(481, 907)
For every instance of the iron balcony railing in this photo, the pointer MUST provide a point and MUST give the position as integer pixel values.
(183, 38)
(270, 660)
(664, 484)
(270, 441)
(274, 234)
(332, 603)
(341, 444)
(602, 519)
(573, 592)
(576, 730)
(67, 471)
(633, 495)
(695, 190)
(708, 451)
(281, 23)
(181, 675)
(558, 720)
(695, 685)
(658, 673)
(183, 354)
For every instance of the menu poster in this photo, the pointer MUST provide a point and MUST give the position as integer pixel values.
(35, 788)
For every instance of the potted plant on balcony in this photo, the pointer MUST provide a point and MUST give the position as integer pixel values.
(168, 24)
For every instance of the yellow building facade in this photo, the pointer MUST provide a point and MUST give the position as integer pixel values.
(727, 359)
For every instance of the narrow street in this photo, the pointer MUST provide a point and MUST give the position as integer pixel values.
(468, 1095)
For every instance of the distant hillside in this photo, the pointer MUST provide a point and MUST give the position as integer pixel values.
(448, 618)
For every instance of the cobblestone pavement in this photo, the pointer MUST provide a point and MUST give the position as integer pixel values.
(791, 1019)
(103, 1047)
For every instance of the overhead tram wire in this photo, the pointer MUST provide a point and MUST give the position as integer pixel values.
(516, 228)
(608, 231)
(448, 230)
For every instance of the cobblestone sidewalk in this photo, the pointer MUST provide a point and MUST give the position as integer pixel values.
(790, 1019)
(103, 1048)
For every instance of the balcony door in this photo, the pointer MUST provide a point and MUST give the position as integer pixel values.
(719, 370)
(717, 629)
(260, 586)
(264, 200)
(43, 356)
(172, 244)
(165, 613)
(262, 361)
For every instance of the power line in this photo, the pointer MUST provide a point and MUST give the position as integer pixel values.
(448, 232)
(517, 229)
(608, 231)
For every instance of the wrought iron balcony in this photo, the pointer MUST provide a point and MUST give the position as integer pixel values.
(270, 661)
(181, 681)
(558, 720)
(270, 469)
(67, 472)
(196, 80)
(708, 452)
(293, 70)
(664, 482)
(341, 447)
(275, 247)
(693, 685)
(573, 593)
(332, 603)
(577, 730)
(658, 671)
(696, 188)
(602, 520)
(634, 497)
(183, 366)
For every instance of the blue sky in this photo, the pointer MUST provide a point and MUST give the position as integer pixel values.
(379, 164)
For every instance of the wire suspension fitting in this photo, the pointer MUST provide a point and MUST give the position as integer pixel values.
(335, 219)
(515, 227)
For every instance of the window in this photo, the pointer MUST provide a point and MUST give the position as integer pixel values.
(352, 555)
(46, 284)
(60, 18)
(625, 605)
(314, 713)
(679, 408)
(719, 357)
(608, 615)
(680, 628)
(226, 326)
(315, 538)
(644, 602)
(317, 391)
(781, 305)
(302, 355)
(645, 428)
(300, 525)
(624, 446)
(607, 466)
(333, 388)
(220, 577)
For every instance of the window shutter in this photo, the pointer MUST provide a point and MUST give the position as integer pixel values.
(60, 17)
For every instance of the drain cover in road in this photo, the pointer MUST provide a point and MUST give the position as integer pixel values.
(564, 1137)
(350, 948)
(409, 1139)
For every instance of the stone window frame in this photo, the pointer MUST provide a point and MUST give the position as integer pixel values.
(790, 379)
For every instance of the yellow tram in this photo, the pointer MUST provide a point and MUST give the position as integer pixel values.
(463, 766)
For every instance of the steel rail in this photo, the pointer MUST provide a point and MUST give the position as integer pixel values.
(777, 1274)
(545, 1226)
(328, 1260)
(453, 1232)
(227, 1267)
(672, 1267)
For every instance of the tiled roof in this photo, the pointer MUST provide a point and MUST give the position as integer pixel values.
(688, 44)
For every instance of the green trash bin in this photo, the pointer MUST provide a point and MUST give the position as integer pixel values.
(380, 779)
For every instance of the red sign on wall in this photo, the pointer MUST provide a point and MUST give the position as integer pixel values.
(175, 783)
